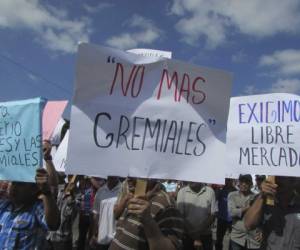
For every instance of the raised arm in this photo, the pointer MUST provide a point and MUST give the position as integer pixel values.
(53, 176)
(253, 216)
(155, 238)
(52, 215)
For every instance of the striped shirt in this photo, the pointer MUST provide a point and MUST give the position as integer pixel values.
(19, 228)
(130, 232)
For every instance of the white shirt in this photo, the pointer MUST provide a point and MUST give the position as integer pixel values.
(107, 223)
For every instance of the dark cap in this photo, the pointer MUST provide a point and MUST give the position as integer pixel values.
(246, 178)
(260, 177)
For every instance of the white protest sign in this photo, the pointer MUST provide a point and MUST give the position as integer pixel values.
(60, 157)
(152, 53)
(263, 135)
(55, 138)
(162, 119)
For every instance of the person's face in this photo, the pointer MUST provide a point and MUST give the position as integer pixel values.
(258, 182)
(244, 186)
(196, 186)
(97, 182)
(229, 182)
(112, 181)
(22, 192)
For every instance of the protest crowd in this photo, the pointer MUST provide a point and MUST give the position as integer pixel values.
(113, 188)
(61, 212)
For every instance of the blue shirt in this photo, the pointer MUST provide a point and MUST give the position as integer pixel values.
(223, 204)
(19, 228)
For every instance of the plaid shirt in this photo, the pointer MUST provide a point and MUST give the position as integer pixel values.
(86, 201)
(18, 229)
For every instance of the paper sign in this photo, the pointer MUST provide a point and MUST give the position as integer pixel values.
(162, 119)
(60, 156)
(263, 135)
(152, 53)
(52, 112)
(55, 137)
(20, 139)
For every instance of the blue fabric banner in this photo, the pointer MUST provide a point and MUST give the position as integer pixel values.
(20, 139)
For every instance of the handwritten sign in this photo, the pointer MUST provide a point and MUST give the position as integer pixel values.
(52, 112)
(147, 117)
(263, 134)
(60, 156)
(20, 139)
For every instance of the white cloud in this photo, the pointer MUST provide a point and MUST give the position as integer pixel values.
(146, 33)
(286, 86)
(289, 85)
(250, 90)
(53, 29)
(239, 57)
(215, 20)
(95, 9)
(32, 77)
(286, 62)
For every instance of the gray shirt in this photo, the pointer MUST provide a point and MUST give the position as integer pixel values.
(196, 209)
(239, 234)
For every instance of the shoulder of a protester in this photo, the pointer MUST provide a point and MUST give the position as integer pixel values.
(233, 194)
(209, 190)
(184, 189)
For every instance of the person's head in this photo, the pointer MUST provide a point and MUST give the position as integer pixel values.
(259, 179)
(229, 182)
(287, 187)
(97, 182)
(245, 183)
(22, 193)
(112, 181)
(196, 186)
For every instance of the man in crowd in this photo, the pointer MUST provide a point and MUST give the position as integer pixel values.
(197, 204)
(22, 214)
(224, 218)
(149, 222)
(280, 223)
(258, 181)
(238, 204)
(109, 190)
(66, 236)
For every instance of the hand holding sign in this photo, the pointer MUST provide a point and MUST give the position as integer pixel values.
(41, 179)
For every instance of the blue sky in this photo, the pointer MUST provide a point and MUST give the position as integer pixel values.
(258, 41)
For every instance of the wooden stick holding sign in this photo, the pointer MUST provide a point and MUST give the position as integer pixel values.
(70, 184)
(140, 187)
(270, 199)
